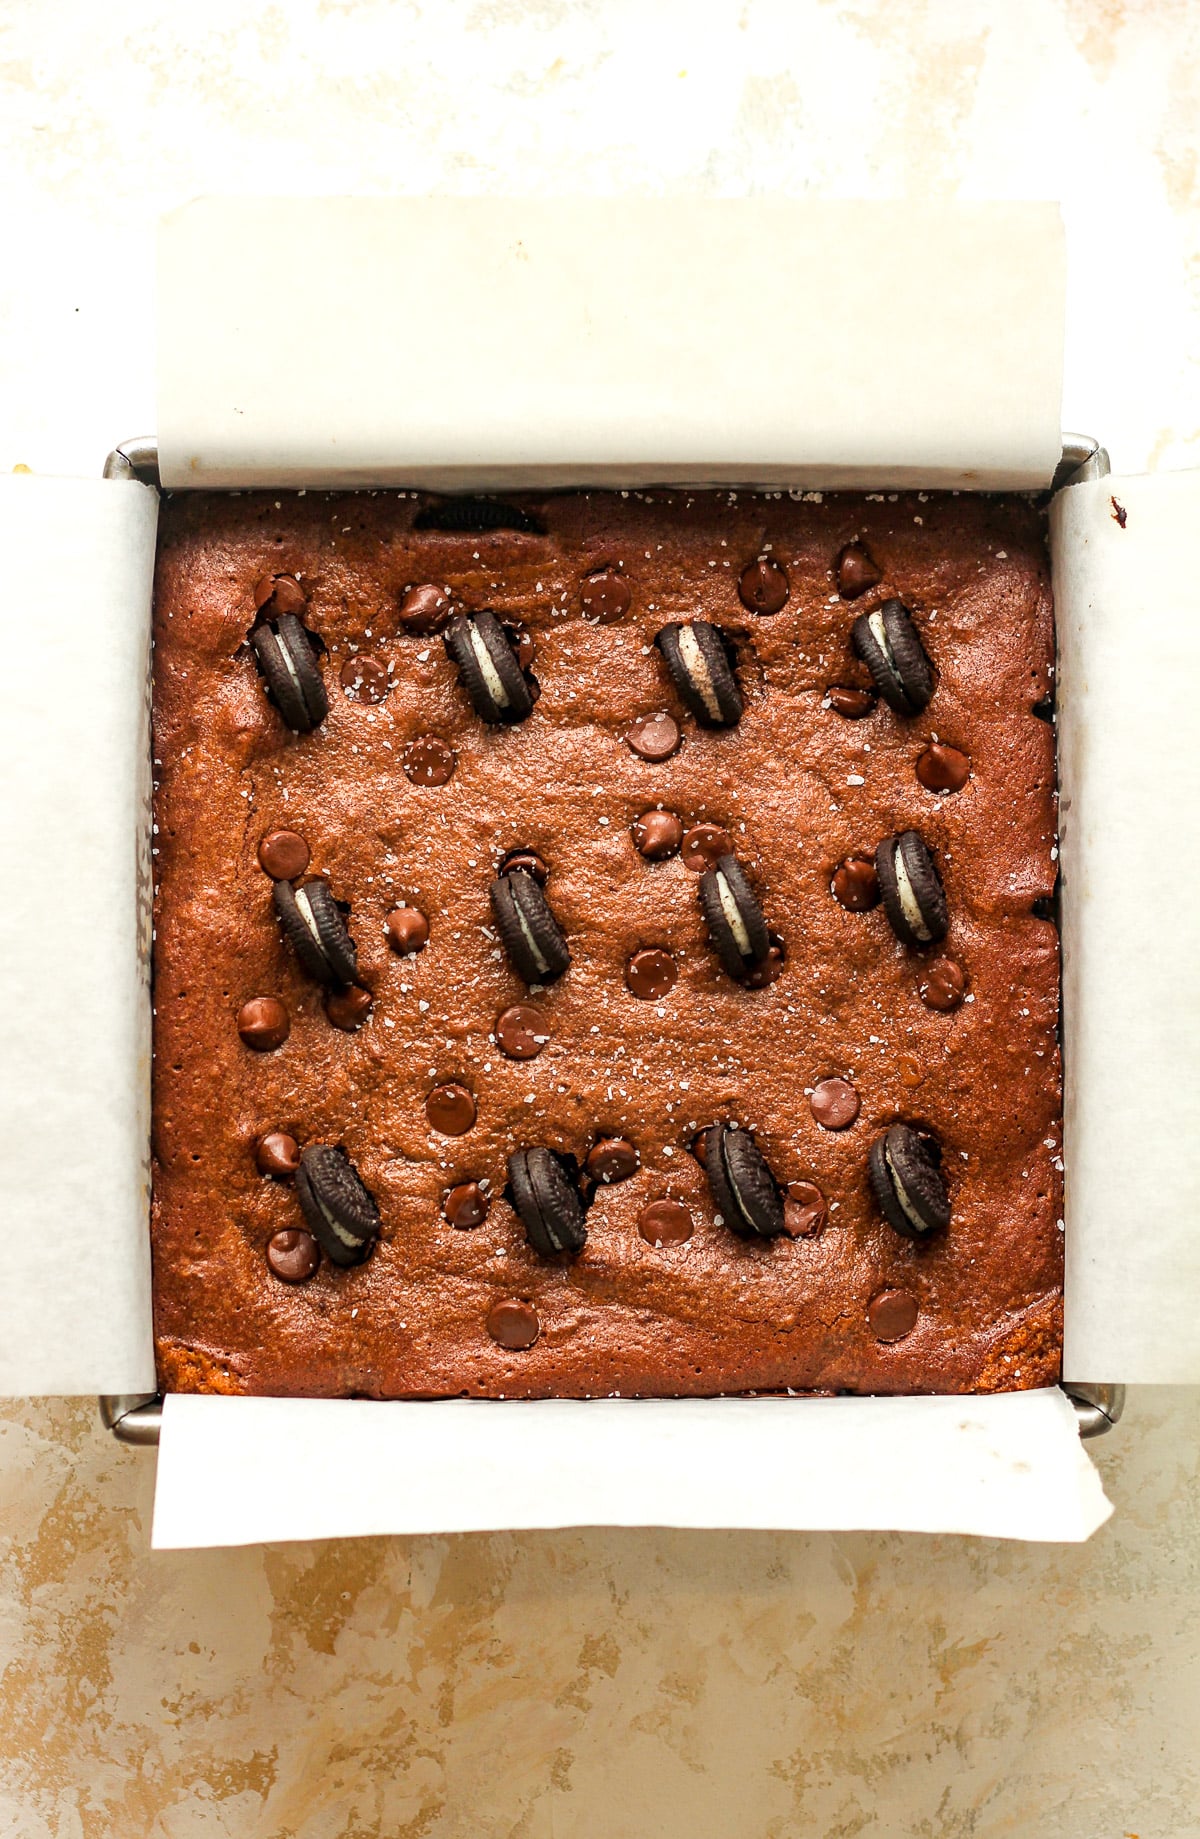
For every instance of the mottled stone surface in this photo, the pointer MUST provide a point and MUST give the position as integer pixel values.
(593, 1685)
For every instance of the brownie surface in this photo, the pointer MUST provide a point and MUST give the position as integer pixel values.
(798, 787)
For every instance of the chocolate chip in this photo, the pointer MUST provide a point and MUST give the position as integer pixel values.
(288, 662)
(700, 660)
(465, 1205)
(745, 1191)
(734, 918)
(450, 1110)
(348, 1009)
(523, 644)
(547, 1202)
(612, 1159)
(475, 514)
(665, 1222)
(856, 571)
(906, 1179)
(892, 1314)
(277, 1153)
(604, 595)
(650, 973)
(339, 1208)
(528, 862)
(653, 737)
(704, 845)
(890, 646)
(282, 591)
(263, 1023)
(293, 1254)
(834, 1104)
(769, 969)
(941, 985)
(943, 769)
(428, 760)
(407, 930)
(513, 1324)
(804, 1210)
(499, 690)
(855, 884)
(657, 835)
(314, 928)
(849, 702)
(521, 1031)
(911, 887)
(283, 855)
(762, 586)
(535, 942)
(364, 679)
(424, 608)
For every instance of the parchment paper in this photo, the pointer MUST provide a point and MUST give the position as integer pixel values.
(461, 342)
(1128, 601)
(76, 565)
(233, 1471)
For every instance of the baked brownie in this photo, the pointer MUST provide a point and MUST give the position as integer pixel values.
(461, 988)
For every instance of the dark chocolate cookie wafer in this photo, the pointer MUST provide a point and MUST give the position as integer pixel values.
(907, 1181)
(499, 689)
(913, 897)
(289, 663)
(475, 514)
(890, 646)
(734, 918)
(532, 937)
(547, 1202)
(701, 662)
(746, 1194)
(314, 928)
(338, 1207)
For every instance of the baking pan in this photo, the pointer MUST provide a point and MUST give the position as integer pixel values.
(137, 1419)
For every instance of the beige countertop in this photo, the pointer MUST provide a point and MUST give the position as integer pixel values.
(594, 1685)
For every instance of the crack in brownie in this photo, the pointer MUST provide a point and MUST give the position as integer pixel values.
(604, 945)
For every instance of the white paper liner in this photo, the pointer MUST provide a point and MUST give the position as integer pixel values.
(76, 566)
(237, 1471)
(1128, 605)
(463, 342)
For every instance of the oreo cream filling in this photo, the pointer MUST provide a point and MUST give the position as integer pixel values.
(306, 914)
(351, 1240)
(697, 669)
(875, 621)
(909, 903)
(490, 674)
(733, 917)
(530, 941)
(906, 1207)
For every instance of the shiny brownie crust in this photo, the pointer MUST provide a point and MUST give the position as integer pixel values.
(799, 788)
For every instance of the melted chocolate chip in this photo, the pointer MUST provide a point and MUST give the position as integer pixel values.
(856, 571)
(704, 845)
(650, 973)
(850, 702)
(834, 1104)
(522, 641)
(348, 1009)
(943, 769)
(665, 1222)
(424, 608)
(282, 591)
(407, 930)
(450, 1110)
(855, 884)
(364, 679)
(604, 595)
(283, 855)
(277, 1154)
(941, 984)
(762, 586)
(513, 1324)
(293, 1254)
(263, 1023)
(612, 1159)
(653, 737)
(528, 862)
(804, 1209)
(657, 835)
(428, 760)
(522, 1031)
(465, 1205)
(892, 1314)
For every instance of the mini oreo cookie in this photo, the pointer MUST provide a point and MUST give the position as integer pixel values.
(907, 1181)
(314, 928)
(734, 918)
(700, 659)
(913, 897)
(746, 1194)
(890, 646)
(499, 689)
(475, 514)
(339, 1209)
(288, 661)
(547, 1201)
(532, 937)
